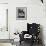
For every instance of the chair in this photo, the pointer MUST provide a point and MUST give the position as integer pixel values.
(33, 30)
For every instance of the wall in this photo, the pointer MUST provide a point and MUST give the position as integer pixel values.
(3, 1)
(3, 21)
(4, 34)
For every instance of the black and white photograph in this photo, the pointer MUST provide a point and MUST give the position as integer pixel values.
(21, 13)
(22, 22)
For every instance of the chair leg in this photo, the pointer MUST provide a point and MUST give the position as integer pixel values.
(20, 42)
(32, 42)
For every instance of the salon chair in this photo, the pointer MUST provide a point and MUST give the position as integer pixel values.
(33, 30)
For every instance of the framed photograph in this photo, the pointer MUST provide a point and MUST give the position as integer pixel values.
(21, 13)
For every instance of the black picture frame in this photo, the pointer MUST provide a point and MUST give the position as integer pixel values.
(21, 13)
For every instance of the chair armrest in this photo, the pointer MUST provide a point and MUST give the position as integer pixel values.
(22, 35)
(24, 32)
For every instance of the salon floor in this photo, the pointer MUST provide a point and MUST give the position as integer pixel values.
(26, 44)
(23, 44)
(5, 44)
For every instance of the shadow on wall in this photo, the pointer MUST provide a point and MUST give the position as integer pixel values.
(41, 34)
